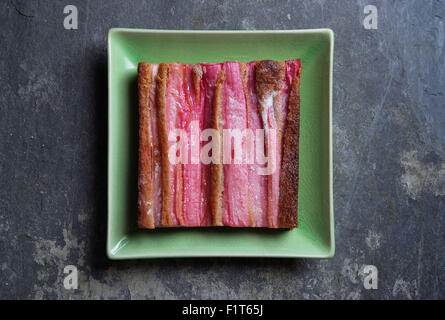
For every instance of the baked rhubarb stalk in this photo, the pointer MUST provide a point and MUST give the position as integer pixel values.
(218, 144)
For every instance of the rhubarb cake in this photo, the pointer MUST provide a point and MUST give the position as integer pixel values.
(218, 144)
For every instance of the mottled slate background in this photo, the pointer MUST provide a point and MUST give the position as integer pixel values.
(389, 153)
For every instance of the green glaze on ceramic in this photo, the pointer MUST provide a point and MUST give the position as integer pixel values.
(314, 237)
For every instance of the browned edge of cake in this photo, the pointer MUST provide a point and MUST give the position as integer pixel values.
(161, 90)
(289, 178)
(145, 179)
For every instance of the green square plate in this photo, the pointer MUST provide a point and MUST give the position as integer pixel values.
(314, 237)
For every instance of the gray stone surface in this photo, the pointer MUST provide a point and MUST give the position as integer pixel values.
(389, 153)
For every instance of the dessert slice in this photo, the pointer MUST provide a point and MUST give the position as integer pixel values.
(218, 144)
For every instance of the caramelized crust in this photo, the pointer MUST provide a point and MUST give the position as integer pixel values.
(161, 88)
(197, 75)
(288, 205)
(217, 169)
(145, 182)
(269, 77)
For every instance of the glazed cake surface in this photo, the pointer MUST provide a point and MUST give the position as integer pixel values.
(218, 144)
